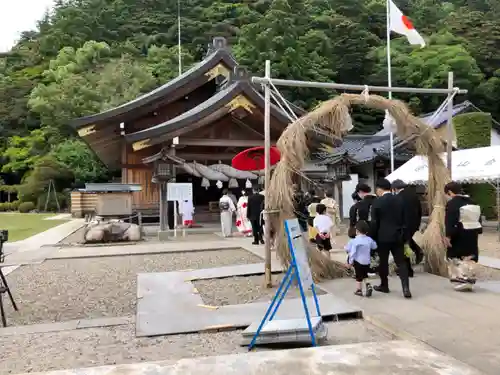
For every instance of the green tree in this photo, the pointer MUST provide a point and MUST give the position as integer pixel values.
(36, 184)
(164, 62)
(77, 157)
(427, 67)
(22, 153)
(85, 81)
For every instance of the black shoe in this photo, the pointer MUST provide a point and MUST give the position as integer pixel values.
(262, 242)
(358, 293)
(406, 293)
(255, 243)
(369, 290)
(381, 289)
(410, 273)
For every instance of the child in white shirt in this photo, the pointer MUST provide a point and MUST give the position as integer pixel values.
(323, 224)
(359, 250)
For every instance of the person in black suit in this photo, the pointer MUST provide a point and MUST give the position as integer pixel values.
(361, 209)
(254, 211)
(387, 220)
(413, 219)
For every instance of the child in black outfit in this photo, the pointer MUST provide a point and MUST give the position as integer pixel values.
(359, 250)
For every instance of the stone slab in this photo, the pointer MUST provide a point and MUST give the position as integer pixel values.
(140, 248)
(489, 262)
(167, 304)
(282, 326)
(230, 271)
(492, 286)
(69, 325)
(459, 324)
(388, 358)
(300, 336)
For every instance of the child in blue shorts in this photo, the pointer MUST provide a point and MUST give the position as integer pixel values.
(359, 257)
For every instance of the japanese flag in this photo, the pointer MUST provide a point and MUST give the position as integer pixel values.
(401, 24)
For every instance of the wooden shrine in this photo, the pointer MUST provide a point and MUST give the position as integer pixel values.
(212, 110)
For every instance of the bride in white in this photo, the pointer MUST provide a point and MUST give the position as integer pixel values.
(242, 223)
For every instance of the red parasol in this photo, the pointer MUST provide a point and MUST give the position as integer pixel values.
(252, 159)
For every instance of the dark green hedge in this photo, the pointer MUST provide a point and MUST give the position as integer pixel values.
(474, 130)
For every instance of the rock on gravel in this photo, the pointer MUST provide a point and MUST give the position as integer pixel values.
(60, 290)
(242, 289)
(118, 345)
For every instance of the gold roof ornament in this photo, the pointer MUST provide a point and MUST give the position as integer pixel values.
(240, 101)
(139, 145)
(218, 70)
(87, 130)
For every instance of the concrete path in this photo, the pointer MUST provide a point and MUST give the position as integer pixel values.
(31, 249)
(59, 217)
(463, 325)
(49, 237)
(489, 262)
(168, 303)
(388, 358)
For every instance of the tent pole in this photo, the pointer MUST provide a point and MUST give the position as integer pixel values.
(343, 86)
(449, 123)
(267, 177)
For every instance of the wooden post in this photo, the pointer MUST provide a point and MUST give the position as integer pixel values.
(267, 181)
(449, 133)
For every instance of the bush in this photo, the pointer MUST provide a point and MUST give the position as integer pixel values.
(9, 206)
(26, 207)
(14, 205)
(474, 130)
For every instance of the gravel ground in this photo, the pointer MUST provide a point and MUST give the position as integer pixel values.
(108, 346)
(242, 289)
(60, 290)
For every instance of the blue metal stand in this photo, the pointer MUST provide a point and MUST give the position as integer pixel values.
(291, 274)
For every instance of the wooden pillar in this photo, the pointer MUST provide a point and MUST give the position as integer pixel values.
(163, 206)
(340, 202)
(124, 162)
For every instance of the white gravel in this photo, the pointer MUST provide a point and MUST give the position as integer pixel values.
(237, 290)
(60, 290)
(113, 345)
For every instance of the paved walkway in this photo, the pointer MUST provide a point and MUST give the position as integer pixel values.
(30, 249)
(388, 358)
(463, 325)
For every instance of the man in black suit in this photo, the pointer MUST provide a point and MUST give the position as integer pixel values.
(388, 229)
(254, 210)
(412, 217)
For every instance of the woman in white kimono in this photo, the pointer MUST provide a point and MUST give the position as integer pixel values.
(242, 223)
(187, 211)
(226, 207)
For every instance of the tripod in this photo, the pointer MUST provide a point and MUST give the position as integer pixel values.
(4, 288)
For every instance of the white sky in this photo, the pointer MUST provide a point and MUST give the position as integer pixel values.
(17, 16)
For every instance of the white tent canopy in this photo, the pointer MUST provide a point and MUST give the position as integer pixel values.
(473, 165)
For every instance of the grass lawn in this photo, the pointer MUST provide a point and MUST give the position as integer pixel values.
(22, 226)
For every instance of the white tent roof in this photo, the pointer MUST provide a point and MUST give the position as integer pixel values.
(473, 165)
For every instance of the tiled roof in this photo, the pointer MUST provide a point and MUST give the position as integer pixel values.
(440, 120)
(364, 148)
(361, 148)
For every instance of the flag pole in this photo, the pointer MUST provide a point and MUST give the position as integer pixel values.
(389, 72)
(179, 35)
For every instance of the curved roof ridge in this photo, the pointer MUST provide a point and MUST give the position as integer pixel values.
(217, 52)
(239, 82)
